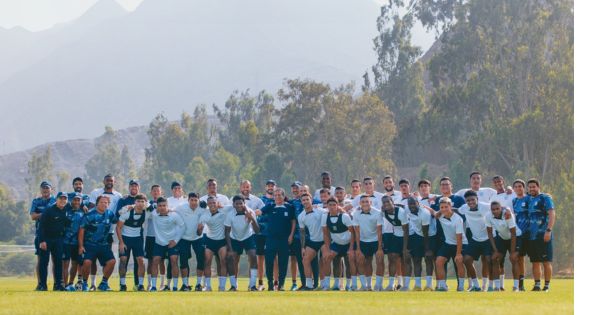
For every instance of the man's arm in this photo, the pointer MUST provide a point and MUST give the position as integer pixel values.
(228, 238)
(120, 235)
(291, 237)
(551, 221)
(80, 240)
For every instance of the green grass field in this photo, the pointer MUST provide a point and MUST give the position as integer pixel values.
(17, 297)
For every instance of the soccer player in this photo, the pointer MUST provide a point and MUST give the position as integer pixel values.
(191, 213)
(418, 239)
(454, 240)
(124, 205)
(520, 207)
(214, 222)
(338, 237)
(370, 192)
(74, 214)
(38, 205)
(542, 218)
(53, 224)
(240, 227)
(508, 239)
(177, 198)
(131, 240)
(505, 198)
(346, 206)
(281, 222)
(211, 191)
(168, 227)
(310, 221)
(295, 247)
(326, 180)
(93, 240)
(356, 189)
(484, 194)
(367, 222)
(427, 200)
(479, 243)
(388, 233)
(86, 203)
(155, 192)
(261, 236)
(398, 242)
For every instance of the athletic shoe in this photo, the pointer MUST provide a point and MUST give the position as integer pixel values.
(281, 289)
(546, 289)
(207, 289)
(502, 289)
(58, 288)
(348, 288)
(70, 288)
(232, 289)
(261, 287)
(184, 288)
(536, 288)
(84, 287)
(78, 285)
(398, 287)
(39, 287)
(93, 287)
(490, 289)
(429, 289)
(475, 289)
(305, 289)
(522, 289)
(271, 289)
(104, 287)
(198, 287)
(441, 289)
(389, 288)
(253, 288)
(140, 288)
(122, 288)
(335, 289)
(165, 288)
(497, 290)
(152, 289)
(417, 289)
(294, 287)
(404, 289)
(515, 289)
(460, 289)
(174, 289)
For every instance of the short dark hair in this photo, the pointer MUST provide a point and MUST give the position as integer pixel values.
(495, 203)
(339, 188)
(236, 198)
(470, 193)
(332, 200)
(519, 181)
(498, 177)
(109, 175)
(160, 200)
(141, 197)
(193, 195)
(355, 181)
(403, 181)
(533, 180)
(324, 190)
(155, 186)
(77, 179)
(363, 196)
(326, 173)
(474, 173)
(367, 179)
(386, 177)
(445, 178)
(211, 180)
(305, 195)
(424, 182)
(100, 197)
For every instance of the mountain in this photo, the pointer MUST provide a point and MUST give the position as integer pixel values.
(169, 56)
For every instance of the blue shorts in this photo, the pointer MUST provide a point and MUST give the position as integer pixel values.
(316, 246)
(448, 251)
(149, 246)
(185, 252)
(261, 244)
(71, 252)
(101, 252)
(416, 245)
(133, 245)
(476, 249)
(215, 245)
(341, 250)
(246, 245)
(368, 248)
(388, 240)
(161, 251)
(539, 251)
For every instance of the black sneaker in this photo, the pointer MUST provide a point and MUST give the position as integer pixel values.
(184, 288)
(305, 289)
(58, 288)
(232, 289)
(270, 289)
(93, 288)
(536, 288)
(140, 288)
(522, 288)
(39, 287)
(123, 288)
(198, 287)
(174, 289)
(165, 288)
(254, 288)
(546, 289)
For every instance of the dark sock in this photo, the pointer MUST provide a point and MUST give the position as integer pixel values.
(260, 282)
(521, 280)
(537, 283)
(104, 280)
(546, 284)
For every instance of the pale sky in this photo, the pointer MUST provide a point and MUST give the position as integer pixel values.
(37, 15)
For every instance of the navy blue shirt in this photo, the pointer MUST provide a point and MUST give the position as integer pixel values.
(85, 198)
(279, 220)
(74, 218)
(520, 207)
(38, 205)
(53, 223)
(298, 208)
(97, 226)
(538, 209)
(125, 201)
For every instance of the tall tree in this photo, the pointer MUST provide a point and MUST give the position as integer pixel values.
(40, 167)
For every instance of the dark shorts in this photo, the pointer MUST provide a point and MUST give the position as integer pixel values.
(295, 248)
(388, 240)
(71, 252)
(368, 248)
(164, 251)
(133, 245)
(101, 252)
(149, 246)
(261, 244)
(524, 248)
(316, 246)
(185, 252)
(448, 251)
(476, 249)
(341, 250)
(246, 245)
(539, 251)
(503, 246)
(416, 245)
(215, 245)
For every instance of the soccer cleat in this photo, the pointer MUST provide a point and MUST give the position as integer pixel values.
(515, 289)
(536, 288)
(104, 287)
(271, 289)
(39, 287)
(475, 289)
(261, 287)
(546, 289)
(253, 288)
(58, 288)
(185, 288)
(441, 289)
(417, 289)
(398, 287)
(70, 288)
(207, 289)
(122, 288)
(305, 289)
(294, 287)
(165, 288)
(490, 289)
(429, 289)
(84, 287)
(502, 289)
(78, 285)
(335, 289)
(152, 289)
(174, 289)
(198, 288)
(93, 287)
(140, 288)
(232, 289)
(281, 289)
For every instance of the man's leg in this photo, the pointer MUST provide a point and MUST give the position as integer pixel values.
(208, 255)
(57, 254)
(222, 268)
(173, 259)
(269, 262)
(309, 254)
(283, 257)
(44, 260)
(252, 262)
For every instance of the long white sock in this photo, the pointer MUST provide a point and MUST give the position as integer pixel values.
(399, 281)
(475, 282)
(222, 282)
(207, 282)
(175, 282)
(141, 280)
(336, 282)
(150, 280)
(363, 281)
(325, 284)
(162, 280)
(186, 281)
(418, 282)
(354, 281)
(441, 284)
(233, 281)
(309, 283)
(484, 282)
(492, 283)
(461, 283)
(392, 281)
(515, 283)
(501, 281)
(406, 282)
(253, 275)
(378, 282)
(93, 279)
(497, 283)
(153, 282)
(122, 280)
(429, 281)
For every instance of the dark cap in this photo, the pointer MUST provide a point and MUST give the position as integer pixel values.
(270, 181)
(297, 184)
(134, 182)
(62, 194)
(45, 184)
(77, 195)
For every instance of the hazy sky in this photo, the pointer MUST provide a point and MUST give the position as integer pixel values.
(36, 15)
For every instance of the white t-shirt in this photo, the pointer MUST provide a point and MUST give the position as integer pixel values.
(397, 199)
(222, 199)
(476, 221)
(418, 220)
(484, 194)
(128, 230)
(502, 226)
(317, 195)
(402, 216)
(375, 200)
(241, 228)
(424, 201)
(368, 223)
(191, 217)
(504, 199)
(451, 227)
(339, 238)
(173, 203)
(253, 202)
(312, 222)
(215, 223)
(169, 227)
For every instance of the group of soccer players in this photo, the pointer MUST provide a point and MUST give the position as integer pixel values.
(329, 235)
